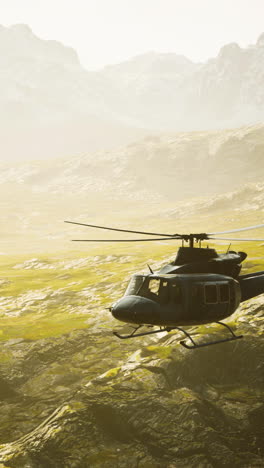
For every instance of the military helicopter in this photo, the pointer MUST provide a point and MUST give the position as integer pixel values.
(198, 287)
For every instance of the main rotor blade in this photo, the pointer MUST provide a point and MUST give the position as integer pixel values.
(237, 230)
(126, 240)
(241, 239)
(122, 230)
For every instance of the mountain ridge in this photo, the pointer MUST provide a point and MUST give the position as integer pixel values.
(220, 160)
(51, 106)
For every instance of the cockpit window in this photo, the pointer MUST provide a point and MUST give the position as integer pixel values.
(156, 289)
(154, 285)
(134, 285)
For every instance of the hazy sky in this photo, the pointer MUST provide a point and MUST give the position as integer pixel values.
(110, 31)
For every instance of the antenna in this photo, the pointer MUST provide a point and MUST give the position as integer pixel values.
(150, 269)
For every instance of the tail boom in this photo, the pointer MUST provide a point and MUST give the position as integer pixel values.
(251, 285)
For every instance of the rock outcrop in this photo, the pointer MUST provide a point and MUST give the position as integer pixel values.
(162, 406)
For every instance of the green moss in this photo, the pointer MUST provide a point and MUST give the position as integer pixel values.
(34, 327)
(240, 394)
(162, 352)
(112, 372)
(101, 457)
(5, 357)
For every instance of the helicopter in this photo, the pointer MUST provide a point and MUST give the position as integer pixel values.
(199, 287)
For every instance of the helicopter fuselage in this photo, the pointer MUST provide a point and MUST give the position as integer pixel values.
(180, 299)
(200, 286)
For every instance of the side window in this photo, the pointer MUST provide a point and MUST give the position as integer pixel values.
(224, 292)
(154, 285)
(210, 292)
(176, 293)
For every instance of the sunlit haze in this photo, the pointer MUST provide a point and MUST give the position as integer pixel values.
(120, 119)
(110, 31)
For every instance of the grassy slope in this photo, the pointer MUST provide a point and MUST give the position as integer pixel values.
(58, 292)
(55, 332)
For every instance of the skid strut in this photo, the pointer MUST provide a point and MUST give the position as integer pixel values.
(183, 343)
(134, 334)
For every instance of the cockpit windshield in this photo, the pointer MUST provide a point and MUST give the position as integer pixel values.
(135, 285)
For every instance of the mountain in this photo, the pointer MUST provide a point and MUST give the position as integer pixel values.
(148, 89)
(167, 91)
(50, 106)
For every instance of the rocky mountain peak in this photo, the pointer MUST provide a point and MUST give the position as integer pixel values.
(152, 63)
(260, 41)
(21, 28)
(229, 51)
(18, 41)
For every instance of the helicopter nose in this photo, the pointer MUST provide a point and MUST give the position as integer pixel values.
(136, 309)
(124, 309)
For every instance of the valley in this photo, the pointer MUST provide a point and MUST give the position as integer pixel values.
(67, 382)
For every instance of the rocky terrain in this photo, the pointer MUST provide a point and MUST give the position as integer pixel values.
(173, 176)
(56, 108)
(178, 165)
(72, 395)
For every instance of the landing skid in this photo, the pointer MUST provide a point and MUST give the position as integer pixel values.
(183, 343)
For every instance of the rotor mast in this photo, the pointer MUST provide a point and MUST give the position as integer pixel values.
(191, 241)
(191, 238)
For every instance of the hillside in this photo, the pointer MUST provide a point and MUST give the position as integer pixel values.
(170, 165)
(73, 395)
(161, 176)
